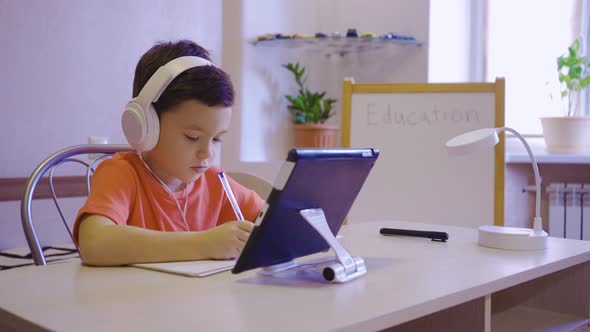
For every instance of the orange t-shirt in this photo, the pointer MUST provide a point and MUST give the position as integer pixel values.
(125, 191)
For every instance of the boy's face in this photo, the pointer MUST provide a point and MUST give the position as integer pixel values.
(190, 139)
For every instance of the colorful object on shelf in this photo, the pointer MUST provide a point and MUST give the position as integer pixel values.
(351, 33)
(283, 36)
(307, 36)
(267, 36)
(368, 35)
(390, 35)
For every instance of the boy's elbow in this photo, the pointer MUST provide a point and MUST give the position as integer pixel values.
(89, 255)
(90, 252)
(92, 242)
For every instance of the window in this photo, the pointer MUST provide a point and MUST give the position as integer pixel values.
(523, 40)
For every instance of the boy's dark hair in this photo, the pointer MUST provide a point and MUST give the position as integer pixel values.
(207, 84)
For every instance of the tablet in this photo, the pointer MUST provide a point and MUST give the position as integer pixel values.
(329, 179)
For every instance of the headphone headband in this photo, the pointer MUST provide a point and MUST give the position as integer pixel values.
(155, 86)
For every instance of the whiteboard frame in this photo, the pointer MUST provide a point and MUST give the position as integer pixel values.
(498, 88)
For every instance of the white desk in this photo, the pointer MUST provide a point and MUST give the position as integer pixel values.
(408, 278)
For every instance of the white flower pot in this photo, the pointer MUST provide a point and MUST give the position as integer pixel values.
(567, 134)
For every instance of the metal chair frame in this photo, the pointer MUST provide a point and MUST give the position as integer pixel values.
(49, 165)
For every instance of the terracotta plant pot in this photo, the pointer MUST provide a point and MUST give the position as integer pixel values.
(316, 136)
(566, 134)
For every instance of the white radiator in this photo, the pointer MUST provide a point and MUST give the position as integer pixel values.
(569, 210)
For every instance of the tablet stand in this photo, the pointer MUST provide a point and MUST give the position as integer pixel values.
(342, 269)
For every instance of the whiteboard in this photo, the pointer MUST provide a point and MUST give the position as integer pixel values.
(414, 179)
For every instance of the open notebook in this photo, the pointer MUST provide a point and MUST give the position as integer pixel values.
(190, 268)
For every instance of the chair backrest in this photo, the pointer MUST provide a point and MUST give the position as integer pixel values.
(252, 182)
(49, 165)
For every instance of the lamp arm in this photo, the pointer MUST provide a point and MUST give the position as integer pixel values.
(537, 221)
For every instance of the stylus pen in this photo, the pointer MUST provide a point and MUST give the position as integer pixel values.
(230, 196)
(434, 236)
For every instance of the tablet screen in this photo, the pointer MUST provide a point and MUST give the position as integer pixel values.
(329, 179)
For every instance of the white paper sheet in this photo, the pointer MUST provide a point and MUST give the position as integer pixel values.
(201, 268)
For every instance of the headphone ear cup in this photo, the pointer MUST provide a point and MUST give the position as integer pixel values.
(153, 128)
(141, 128)
(134, 125)
(140, 121)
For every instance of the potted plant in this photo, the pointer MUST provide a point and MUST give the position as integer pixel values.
(310, 111)
(570, 133)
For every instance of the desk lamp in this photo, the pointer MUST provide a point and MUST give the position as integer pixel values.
(501, 237)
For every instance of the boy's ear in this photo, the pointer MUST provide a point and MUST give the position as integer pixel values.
(140, 121)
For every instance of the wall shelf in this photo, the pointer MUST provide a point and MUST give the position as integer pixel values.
(339, 46)
(547, 158)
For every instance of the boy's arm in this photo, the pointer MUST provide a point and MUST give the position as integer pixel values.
(104, 243)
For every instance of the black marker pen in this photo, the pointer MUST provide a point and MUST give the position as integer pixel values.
(434, 236)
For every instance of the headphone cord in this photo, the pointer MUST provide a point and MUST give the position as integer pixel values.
(182, 211)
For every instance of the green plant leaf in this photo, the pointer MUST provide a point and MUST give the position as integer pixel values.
(576, 45)
(307, 106)
(575, 72)
(300, 118)
(562, 77)
(572, 71)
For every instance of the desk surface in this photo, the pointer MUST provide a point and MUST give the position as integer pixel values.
(407, 278)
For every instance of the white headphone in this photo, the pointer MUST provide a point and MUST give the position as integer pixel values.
(140, 122)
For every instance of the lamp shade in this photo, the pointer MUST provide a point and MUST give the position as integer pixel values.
(481, 139)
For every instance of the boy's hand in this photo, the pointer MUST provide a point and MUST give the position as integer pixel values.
(227, 241)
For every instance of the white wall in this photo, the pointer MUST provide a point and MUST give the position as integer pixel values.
(450, 36)
(265, 133)
(67, 71)
(48, 225)
(67, 67)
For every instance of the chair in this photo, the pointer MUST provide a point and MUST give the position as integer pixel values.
(70, 154)
(50, 164)
(253, 182)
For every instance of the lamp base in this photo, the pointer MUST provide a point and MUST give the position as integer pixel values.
(511, 238)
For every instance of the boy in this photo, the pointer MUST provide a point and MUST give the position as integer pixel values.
(166, 203)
